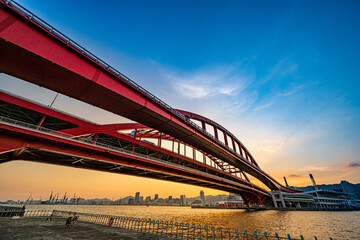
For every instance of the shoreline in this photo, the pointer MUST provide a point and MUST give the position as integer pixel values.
(279, 209)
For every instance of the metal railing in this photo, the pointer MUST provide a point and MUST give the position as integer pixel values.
(177, 230)
(109, 68)
(33, 127)
(25, 213)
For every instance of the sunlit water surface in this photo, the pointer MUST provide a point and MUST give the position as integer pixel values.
(338, 225)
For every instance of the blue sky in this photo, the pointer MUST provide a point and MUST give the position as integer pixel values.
(283, 76)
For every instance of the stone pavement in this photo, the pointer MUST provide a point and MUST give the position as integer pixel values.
(37, 228)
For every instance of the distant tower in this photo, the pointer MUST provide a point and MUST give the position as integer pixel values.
(202, 196)
(156, 196)
(313, 182)
(182, 200)
(137, 198)
(286, 184)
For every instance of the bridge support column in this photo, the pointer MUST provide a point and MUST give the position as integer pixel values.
(282, 199)
(274, 199)
(225, 139)
(240, 150)
(203, 125)
(216, 132)
(278, 197)
(233, 144)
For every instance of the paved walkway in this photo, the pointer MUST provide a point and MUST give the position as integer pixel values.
(37, 228)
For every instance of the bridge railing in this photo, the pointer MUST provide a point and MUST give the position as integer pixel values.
(108, 67)
(176, 230)
(33, 127)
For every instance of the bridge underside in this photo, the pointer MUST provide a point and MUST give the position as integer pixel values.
(137, 138)
(33, 132)
(115, 166)
(22, 144)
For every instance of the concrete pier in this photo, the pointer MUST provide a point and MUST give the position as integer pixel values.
(31, 228)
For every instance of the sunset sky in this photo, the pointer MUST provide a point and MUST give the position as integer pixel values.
(284, 77)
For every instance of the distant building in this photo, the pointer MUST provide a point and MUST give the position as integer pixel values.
(318, 197)
(137, 198)
(156, 196)
(202, 196)
(197, 203)
(350, 188)
(131, 201)
(182, 200)
(232, 201)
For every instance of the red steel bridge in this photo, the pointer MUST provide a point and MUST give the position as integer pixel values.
(164, 143)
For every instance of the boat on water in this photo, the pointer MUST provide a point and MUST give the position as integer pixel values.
(232, 201)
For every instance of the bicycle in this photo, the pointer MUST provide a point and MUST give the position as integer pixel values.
(71, 221)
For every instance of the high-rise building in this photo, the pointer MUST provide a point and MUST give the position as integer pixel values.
(182, 200)
(156, 196)
(170, 198)
(202, 196)
(137, 198)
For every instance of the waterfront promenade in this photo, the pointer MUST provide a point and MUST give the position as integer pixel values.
(44, 224)
(31, 228)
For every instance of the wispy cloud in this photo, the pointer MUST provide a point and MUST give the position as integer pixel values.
(203, 83)
(294, 176)
(272, 146)
(266, 105)
(277, 84)
(352, 164)
(281, 69)
(289, 93)
(316, 168)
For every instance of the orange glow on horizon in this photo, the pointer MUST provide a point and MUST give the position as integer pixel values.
(20, 178)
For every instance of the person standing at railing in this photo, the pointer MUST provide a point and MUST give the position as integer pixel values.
(22, 211)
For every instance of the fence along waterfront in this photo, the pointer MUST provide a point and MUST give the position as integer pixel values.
(169, 229)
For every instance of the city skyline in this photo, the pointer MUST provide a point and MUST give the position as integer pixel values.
(287, 87)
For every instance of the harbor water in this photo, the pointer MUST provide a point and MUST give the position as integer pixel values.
(338, 225)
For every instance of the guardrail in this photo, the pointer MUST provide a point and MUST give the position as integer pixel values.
(176, 230)
(25, 213)
(31, 16)
(171, 229)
